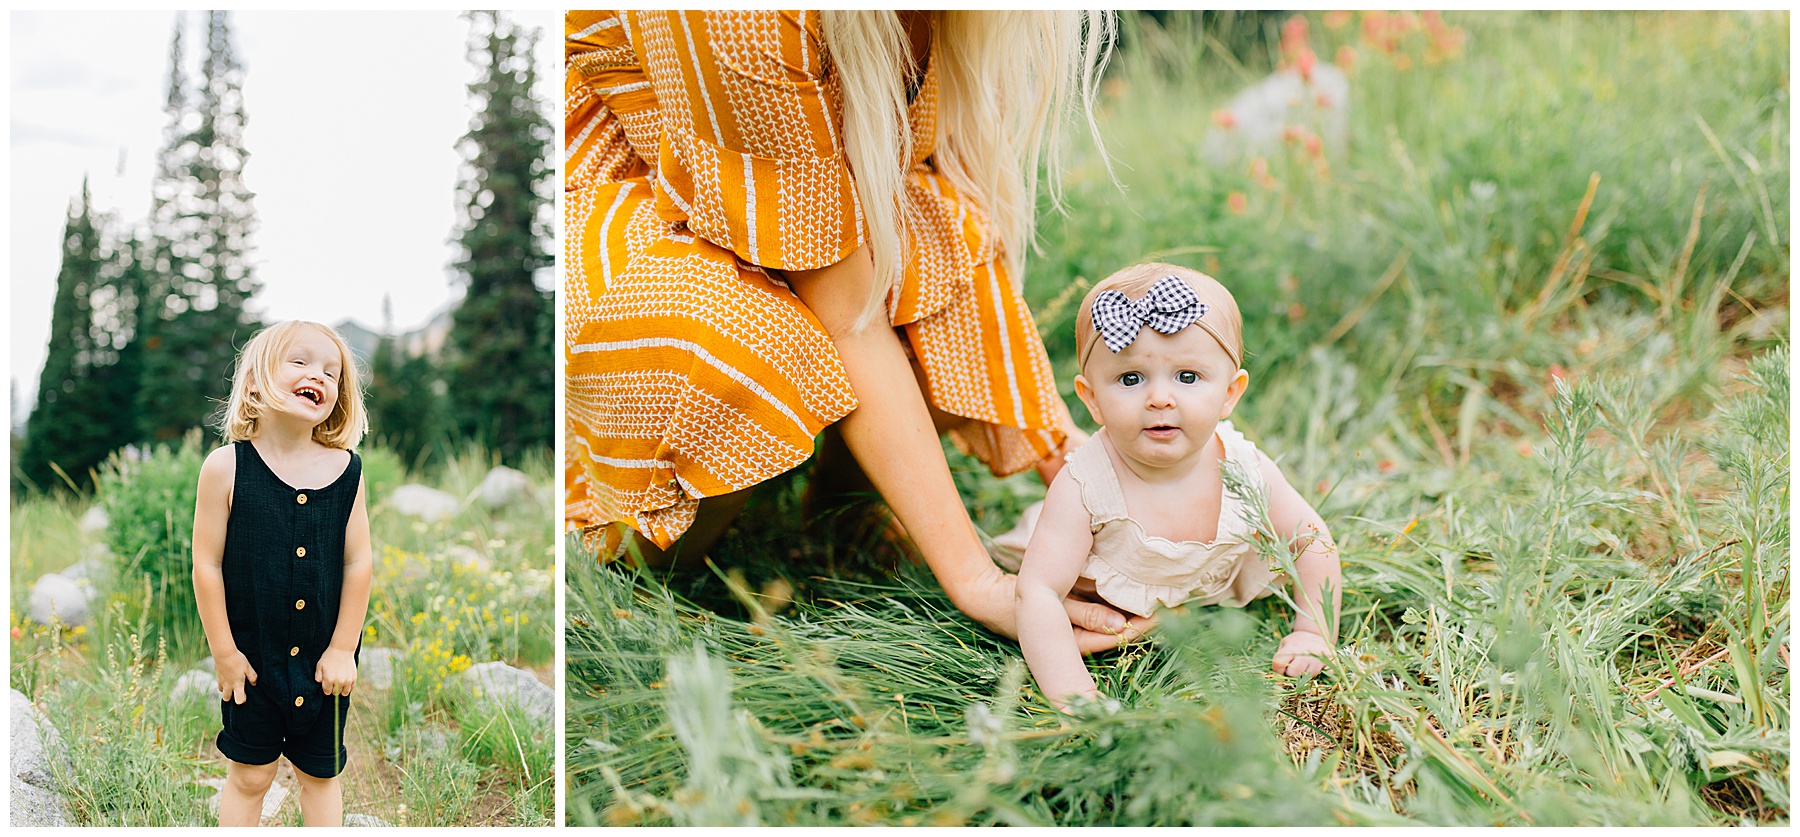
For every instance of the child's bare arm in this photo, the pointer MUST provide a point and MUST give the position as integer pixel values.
(337, 666)
(212, 510)
(1316, 560)
(1053, 560)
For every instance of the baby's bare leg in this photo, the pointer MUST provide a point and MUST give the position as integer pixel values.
(321, 800)
(240, 802)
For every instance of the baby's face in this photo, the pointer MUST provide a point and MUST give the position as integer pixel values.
(1161, 398)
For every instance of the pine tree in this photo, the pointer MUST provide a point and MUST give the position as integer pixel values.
(404, 409)
(202, 218)
(70, 428)
(499, 368)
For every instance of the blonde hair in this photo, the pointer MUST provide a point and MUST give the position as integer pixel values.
(1226, 320)
(348, 421)
(1006, 79)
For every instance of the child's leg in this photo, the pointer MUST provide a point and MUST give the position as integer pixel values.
(321, 800)
(240, 803)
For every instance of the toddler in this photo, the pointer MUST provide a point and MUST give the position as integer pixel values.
(282, 563)
(1140, 516)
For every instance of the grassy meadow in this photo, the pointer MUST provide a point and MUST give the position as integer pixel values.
(472, 587)
(1523, 343)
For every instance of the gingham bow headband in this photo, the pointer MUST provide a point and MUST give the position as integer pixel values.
(1170, 306)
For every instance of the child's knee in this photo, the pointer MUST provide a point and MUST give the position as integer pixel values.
(253, 779)
(309, 781)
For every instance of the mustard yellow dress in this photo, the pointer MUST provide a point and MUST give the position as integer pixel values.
(705, 156)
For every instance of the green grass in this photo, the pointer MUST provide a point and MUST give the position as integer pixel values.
(1545, 417)
(471, 588)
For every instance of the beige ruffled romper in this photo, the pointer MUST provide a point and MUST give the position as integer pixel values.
(1137, 571)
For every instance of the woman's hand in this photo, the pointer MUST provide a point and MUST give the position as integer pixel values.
(336, 672)
(989, 599)
(233, 670)
(1301, 653)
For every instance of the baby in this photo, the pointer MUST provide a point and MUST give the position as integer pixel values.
(1141, 517)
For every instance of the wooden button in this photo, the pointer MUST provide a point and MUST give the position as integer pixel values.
(299, 700)
(300, 604)
(294, 651)
(301, 499)
(300, 551)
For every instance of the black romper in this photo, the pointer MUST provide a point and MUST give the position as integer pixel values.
(284, 574)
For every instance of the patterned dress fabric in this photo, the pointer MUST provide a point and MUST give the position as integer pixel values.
(704, 156)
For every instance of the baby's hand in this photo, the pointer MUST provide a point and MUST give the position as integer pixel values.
(336, 671)
(233, 670)
(1301, 653)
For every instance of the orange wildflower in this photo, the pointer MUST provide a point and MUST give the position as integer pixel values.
(1237, 202)
(1336, 19)
(1224, 119)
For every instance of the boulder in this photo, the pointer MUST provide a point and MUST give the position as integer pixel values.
(503, 486)
(1261, 115)
(423, 502)
(35, 806)
(272, 800)
(94, 567)
(56, 597)
(33, 744)
(94, 520)
(497, 680)
(468, 556)
(376, 666)
(196, 685)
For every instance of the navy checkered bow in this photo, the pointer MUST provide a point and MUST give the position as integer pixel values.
(1170, 306)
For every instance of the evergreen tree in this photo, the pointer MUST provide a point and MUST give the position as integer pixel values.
(70, 429)
(499, 354)
(202, 217)
(403, 406)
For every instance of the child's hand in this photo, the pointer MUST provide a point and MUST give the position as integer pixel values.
(1301, 653)
(336, 671)
(233, 671)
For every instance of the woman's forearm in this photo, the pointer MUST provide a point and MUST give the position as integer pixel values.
(891, 433)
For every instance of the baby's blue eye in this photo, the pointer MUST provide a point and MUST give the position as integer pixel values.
(1187, 377)
(1131, 379)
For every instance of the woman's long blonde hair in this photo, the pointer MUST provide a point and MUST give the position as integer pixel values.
(1006, 81)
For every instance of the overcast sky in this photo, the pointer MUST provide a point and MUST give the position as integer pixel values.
(353, 120)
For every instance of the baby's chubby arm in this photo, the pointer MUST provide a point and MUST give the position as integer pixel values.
(1053, 560)
(212, 510)
(1316, 559)
(336, 670)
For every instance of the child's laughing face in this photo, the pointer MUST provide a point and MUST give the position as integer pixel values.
(1162, 396)
(306, 379)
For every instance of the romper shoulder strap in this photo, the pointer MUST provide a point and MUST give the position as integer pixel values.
(1100, 493)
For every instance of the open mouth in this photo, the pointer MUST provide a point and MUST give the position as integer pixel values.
(311, 394)
(1162, 430)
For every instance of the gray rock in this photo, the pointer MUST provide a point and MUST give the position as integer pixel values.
(94, 520)
(365, 821)
(1265, 109)
(56, 597)
(271, 801)
(468, 556)
(503, 486)
(376, 667)
(94, 567)
(33, 744)
(196, 685)
(423, 502)
(35, 806)
(497, 680)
